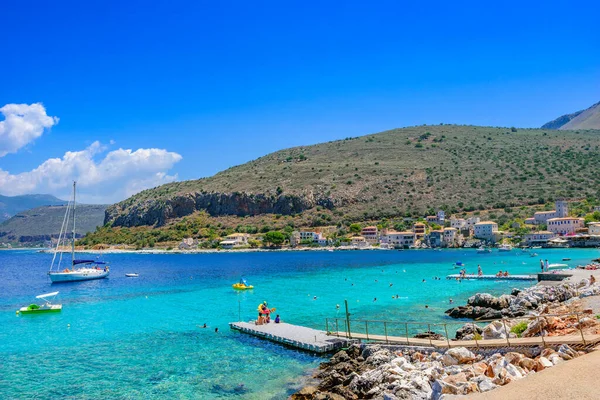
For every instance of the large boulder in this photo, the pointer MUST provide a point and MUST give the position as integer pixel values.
(461, 355)
(468, 330)
(535, 327)
(495, 330)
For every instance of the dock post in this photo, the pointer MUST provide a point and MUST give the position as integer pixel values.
(406, 326)
(580, 330)
(541, 331)
(447, 337)
(337, 330)
(348, 320)
(506, 330)
(429, 330)
(385, 330)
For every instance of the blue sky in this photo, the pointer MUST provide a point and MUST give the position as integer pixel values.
(215, 84)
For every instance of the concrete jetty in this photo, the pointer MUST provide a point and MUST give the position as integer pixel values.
(296, 336)
(494, 277)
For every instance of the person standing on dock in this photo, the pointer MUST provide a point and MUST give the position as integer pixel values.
(542, 265)
(479, 270)
(546, 266)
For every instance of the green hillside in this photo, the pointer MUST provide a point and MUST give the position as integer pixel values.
(36, 226)
(11, 205)
(407, 171)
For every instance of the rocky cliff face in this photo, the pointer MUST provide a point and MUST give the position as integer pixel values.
(158, 212)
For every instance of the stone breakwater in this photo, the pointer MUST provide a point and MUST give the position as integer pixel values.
(531, 301)
(390, 373)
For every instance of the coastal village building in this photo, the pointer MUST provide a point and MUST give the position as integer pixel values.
(565, 226)
(359, 241)
(419, 230)
(471, 222)
(235, 240)
(530, 221)
(538, 238)
(312, 237)
(594, 228)
(451, 236)
(486, 230)
(295, 239)
(561, 211)
(398, 239)
(458, 223)
(370, 234)
(436, 238)
(596, 208)
(432, 219)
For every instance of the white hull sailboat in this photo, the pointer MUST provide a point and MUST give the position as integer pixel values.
(80, 270)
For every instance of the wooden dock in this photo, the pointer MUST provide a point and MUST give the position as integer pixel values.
(494, 277)
(575, 340)
(295, 336)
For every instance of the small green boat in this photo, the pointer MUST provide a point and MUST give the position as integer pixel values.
(47, 307)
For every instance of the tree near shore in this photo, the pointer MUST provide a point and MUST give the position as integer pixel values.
(273, 238)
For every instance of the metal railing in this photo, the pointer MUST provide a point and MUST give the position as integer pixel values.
(400, 332)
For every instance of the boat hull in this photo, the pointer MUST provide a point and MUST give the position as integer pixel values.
(84, 274)
(42, 310)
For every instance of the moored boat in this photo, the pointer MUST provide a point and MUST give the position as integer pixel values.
(80, 270)
(47, 307)
(483, 250)
(132, 275)
(505, 247)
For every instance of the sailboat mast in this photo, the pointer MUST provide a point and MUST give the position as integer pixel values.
(73, 242)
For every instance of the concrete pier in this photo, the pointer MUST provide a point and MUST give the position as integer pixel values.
(494, 277)
(296, 336)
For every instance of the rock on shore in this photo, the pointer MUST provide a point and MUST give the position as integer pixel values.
(533, 300)
(390, 373)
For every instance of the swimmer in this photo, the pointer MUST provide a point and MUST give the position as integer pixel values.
(204, 326)
(391, 284)
(375, 299)
(314, 298)
(426, 306)
(337, 306)
(451, 301)
(216, 330)
(423, 280)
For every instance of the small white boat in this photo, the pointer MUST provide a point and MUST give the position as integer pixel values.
(47, 307)
(505, 247)
(134, 275)
(558, 266)
(536, 247)
(483, 250)
(566, 259)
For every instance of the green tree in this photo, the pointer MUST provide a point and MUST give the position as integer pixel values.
(274, 238)
(355, 228)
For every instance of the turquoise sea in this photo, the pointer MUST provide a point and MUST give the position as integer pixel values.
(140, 338)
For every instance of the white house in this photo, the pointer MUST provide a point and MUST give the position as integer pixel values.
(561, 211)
(471, 222)
(313, 237)
(458, 223)
(441, 216)
(485, 230)
(370, 234)
(359, 241)
(565, 226)
(398, 239)
(594, 228)
(450, 236)
(538, 238)
(235, 240)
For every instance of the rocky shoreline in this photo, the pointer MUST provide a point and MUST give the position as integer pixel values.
(373, 371)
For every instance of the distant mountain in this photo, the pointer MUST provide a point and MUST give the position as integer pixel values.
(10, 206)
(584, 119)
(36, 226)
(401, 172)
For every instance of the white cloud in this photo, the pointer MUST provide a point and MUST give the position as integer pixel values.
(23, 123)
(119, 174)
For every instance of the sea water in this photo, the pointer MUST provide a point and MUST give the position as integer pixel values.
(138, 338)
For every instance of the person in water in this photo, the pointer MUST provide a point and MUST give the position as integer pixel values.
(277, 319)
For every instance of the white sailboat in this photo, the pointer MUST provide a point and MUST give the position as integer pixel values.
(80, 270)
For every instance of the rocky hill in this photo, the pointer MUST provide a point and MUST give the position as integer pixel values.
(584, 119)
(36, 226)
(397, 172)
(11, 205)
